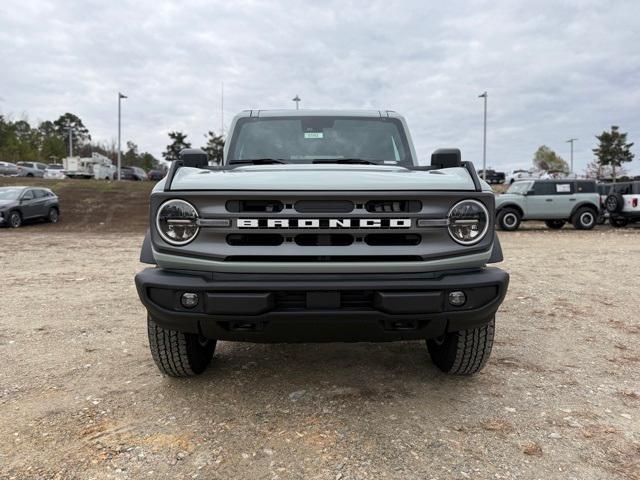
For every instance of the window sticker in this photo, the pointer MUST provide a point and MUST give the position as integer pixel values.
(313, 135)
(563, 188)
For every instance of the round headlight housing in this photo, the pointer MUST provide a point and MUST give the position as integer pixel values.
(468, 222)
(177, 222)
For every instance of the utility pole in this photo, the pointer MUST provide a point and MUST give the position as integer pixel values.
(297, 100)
(571, 140)
(120, 97)
(222, 109)
(485, 95)
(70, 129)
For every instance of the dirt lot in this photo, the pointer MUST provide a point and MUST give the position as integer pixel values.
(81, 398)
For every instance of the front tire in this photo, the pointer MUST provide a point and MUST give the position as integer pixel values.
(179, 354)
(15, 219)
(464, 352)
(585, 219)
(509, 219)
(555, 224)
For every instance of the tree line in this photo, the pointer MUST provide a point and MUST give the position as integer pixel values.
(48, 142)
(611, 154)
(214, 146)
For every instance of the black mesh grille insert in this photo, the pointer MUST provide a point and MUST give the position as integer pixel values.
(238, 206)
(324, 239)
(382, 239)
(393, 206)
(349, 300)
(255, 239)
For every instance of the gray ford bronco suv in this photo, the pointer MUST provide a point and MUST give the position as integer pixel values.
(554, 201)
(320, 226)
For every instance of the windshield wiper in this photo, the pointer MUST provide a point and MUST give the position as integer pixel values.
(257, 161)
(360, 161)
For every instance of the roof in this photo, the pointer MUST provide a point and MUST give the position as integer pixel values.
(319, 113)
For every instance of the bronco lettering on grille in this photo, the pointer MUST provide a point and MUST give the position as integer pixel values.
(323, 223)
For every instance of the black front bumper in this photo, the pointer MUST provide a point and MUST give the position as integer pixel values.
(316, 308)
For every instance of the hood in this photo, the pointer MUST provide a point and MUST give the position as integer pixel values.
(6, 203)
(333, 177)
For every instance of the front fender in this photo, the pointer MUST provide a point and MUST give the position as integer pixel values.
(146, 252)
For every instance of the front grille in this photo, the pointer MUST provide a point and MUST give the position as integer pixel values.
(254, 206)
(393, 206)
(349, 300)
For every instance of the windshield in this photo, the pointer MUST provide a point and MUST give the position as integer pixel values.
(322, 138)
(10, 193)
(519, 187)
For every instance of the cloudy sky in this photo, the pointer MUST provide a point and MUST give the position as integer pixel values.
(554, 70)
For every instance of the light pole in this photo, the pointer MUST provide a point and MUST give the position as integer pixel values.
(120, 97)
(485, 95)
(70, 129)
(571, 140)
(297, 100)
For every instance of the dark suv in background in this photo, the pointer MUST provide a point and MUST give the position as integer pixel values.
(133, 173)
(18, 204)
(491, 176)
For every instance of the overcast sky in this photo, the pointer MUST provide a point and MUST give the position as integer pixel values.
(554, 70)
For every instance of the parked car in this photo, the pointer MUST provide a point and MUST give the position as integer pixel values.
(492, 176)
(622, 203)
(54, 171)
(156, 175)
(18, 204)
(516, 175)
(31, 169)
(8, 169)
(554, 201)
(133, 173)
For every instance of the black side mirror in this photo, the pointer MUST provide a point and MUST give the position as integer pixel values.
(446, 158)
(194, 157)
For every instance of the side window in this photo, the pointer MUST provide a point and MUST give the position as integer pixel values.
(28, 195)
(41, 166)
(585, 187)
(561, 188)
(622, 188)
(543, 188)
(40, 193)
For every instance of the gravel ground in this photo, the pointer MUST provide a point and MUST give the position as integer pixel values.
(81, 398)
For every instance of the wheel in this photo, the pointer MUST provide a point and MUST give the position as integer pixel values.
(601, 218)
(509, 219)
(53, 215)
(584, 219)
(15, 219)
(179, 354)
(29, 175)
(614, 202)
(555, 224)
(464, 352)
(618, 222)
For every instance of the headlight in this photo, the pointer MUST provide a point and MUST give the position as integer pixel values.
(468, 222)
(177, 222)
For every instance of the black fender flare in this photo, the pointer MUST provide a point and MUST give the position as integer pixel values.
(515, 206)
(496, 251)
(146, 252)
(590, 205)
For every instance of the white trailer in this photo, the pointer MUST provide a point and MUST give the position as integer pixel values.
(97, 166)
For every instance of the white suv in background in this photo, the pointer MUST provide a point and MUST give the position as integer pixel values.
(623, 203)
(515, 175)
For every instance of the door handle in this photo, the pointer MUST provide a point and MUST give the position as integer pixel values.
(572, 199)
(549, 200)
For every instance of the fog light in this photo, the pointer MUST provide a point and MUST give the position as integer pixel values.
(189, 300)
(457, 298)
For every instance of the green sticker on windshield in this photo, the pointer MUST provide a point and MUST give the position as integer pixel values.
(313, 135)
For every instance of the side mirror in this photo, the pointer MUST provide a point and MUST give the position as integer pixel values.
(446, 158)
(194, 157)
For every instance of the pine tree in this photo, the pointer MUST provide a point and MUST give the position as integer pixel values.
(214, 147)
(178, 142)
(613, 150)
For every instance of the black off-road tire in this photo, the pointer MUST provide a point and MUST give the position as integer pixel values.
(53, 215)
(618, 222)
(179, 354)
(14, 219)
(585, 218)
(509, 219)
(464, 352)
(555, 224)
